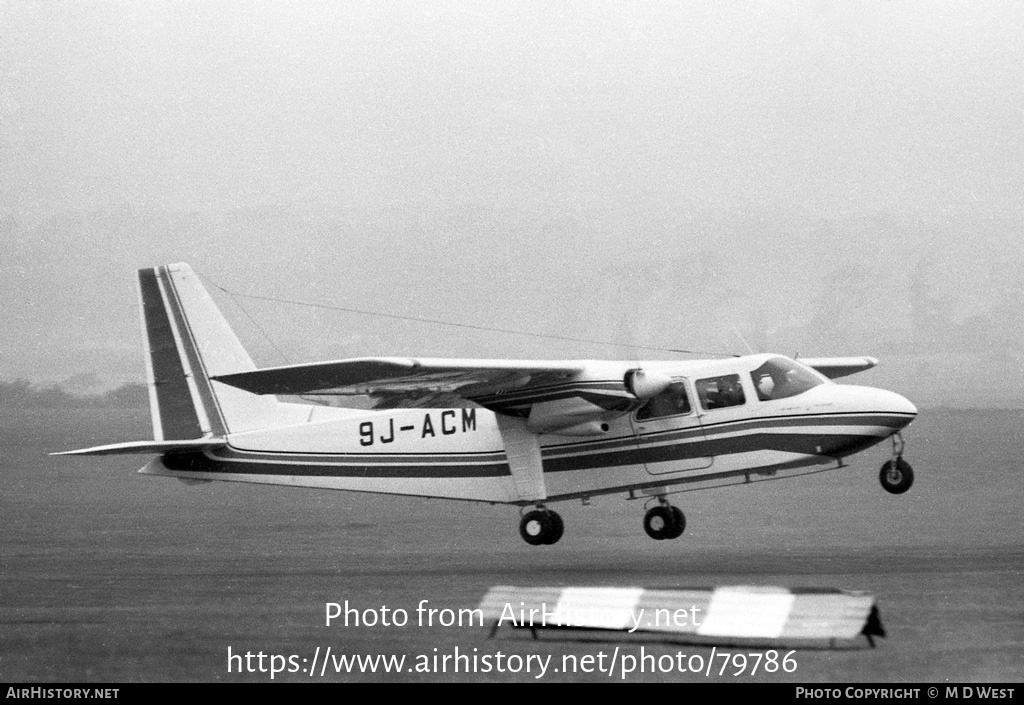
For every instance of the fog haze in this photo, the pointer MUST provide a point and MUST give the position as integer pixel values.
(821, 178)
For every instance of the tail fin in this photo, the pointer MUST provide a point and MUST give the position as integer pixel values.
(187, 342)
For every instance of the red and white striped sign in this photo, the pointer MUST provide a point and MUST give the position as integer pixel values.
(729, 612)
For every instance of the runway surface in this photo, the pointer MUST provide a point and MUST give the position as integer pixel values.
(109, 576)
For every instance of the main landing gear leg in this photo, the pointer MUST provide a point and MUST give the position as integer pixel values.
(896, 475)
(541, 526)
(664, 521)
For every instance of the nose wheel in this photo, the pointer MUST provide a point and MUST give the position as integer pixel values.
(541, 527)
(896, 475)
(664, 521)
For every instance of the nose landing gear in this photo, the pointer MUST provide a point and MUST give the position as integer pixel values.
(664, 521)
(896, 475)
(541, 526)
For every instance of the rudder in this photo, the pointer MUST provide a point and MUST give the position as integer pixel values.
(188, 341)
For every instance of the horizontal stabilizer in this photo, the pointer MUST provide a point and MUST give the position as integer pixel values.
(150, 447)
(833, 367)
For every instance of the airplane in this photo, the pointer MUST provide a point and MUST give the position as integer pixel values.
(524, 433)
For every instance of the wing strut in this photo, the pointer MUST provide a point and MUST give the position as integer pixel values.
(522, 447)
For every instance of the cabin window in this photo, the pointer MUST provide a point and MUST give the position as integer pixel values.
(673, 401)
(720, 392)
(779, 378)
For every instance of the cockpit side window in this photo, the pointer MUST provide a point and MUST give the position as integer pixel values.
(673, 401)
(720, 392)
(779, 378)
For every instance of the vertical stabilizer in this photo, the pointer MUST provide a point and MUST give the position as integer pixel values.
(188, 341)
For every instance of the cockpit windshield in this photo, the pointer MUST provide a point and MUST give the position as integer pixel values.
(779, 378)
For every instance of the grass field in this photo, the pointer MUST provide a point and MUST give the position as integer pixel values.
(109, 576)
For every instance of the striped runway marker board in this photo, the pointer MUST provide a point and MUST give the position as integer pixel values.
(728, 614)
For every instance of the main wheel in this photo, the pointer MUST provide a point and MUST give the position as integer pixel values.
(678, 523)
(541, 527)
(557, 529)
(896, 477)
(660, 523)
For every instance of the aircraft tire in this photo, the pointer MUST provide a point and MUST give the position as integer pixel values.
(541, 527)
(678, 522)
(896, 480)
(659, 523)
(557, 528)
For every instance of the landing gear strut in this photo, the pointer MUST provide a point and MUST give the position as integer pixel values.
(664, 521)
(896, 475)
(541, 526)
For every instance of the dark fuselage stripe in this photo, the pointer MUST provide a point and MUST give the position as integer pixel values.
(233, 461)
(709, 431)
(694, 436)
(810, 445)
(242, 464)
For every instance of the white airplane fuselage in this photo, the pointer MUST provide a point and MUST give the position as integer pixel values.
(460, 454)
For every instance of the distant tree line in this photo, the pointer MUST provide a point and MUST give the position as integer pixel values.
(23, 394)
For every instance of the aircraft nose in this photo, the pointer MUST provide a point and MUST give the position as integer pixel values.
(896, 408)
(896, 404)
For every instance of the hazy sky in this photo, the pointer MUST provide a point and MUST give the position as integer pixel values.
(508, 162)
(830, 105)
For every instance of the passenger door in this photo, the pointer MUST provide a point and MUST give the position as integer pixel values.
(668, 432)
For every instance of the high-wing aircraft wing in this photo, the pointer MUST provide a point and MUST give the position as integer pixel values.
(553, 394)
(833, 367)
(395, 377)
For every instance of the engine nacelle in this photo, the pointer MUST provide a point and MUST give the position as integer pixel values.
(591, 428)
(563, 415)
(644, 384)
